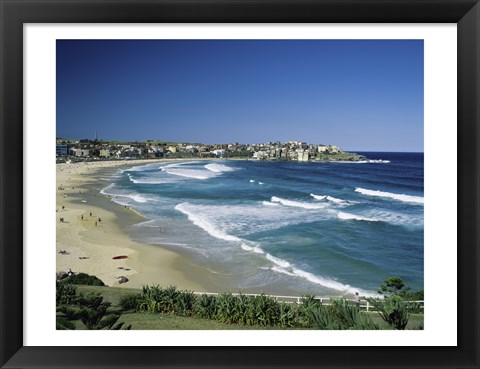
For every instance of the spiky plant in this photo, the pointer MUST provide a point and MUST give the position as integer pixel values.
(130, 301)
(266, 310)
(227, 308)
(393, 310)
(184, 303)
(350, 317)
(307, 303)
(321, 317)
(287, 315)
(206, 307)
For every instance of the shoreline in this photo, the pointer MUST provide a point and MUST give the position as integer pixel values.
(88, 244)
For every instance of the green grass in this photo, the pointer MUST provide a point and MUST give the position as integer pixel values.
(110, 294)
(146, 321)
(415, 321)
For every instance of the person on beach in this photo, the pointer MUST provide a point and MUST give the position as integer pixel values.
(90, 213)
(356, 298)
(82, 216)
(99, 220)
(63, 207)
(95, 223)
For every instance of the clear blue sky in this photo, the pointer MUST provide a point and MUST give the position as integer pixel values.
(363, 95)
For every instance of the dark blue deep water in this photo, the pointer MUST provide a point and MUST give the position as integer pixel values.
(321, 228)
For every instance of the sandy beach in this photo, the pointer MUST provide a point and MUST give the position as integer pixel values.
(91, 234)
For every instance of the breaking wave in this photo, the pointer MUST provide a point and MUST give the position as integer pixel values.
(347, 216)
(298, 204)
(395, 196)
(219, 168)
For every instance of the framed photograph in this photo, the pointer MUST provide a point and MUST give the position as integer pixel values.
(267, 184)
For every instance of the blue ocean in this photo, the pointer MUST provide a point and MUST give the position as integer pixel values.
(325, 228)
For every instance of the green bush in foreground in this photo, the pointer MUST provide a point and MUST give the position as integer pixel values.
(83, 279)
(155, 299)
(130, 301)
(90, 309)
(394, 310)
(206, 307)
(65, 293)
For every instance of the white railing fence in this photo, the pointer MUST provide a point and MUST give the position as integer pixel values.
(364, 304)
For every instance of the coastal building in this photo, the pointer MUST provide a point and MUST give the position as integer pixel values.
(62, 149)
(300, 154)
(322, 148)
(105, 153)
(80, 152)
(333, 149)
(219, 153)
(292, 150)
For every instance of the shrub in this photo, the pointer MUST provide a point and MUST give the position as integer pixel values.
(350, 317)
(130, 301)
(83, 279)
(265, 310)
(307, 304)
(166, 300)
(185, 303)
(65, 293)
(320, 317)
(287, 315)
(92, 311)
(393, 310)
(206, 307)
(228, 308)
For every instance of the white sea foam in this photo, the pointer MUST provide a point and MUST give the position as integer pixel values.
(191, 173)
(298, 204)
(370, 161)
(179, 164)
(348, 216)
(151, 180)
(329, 283)
(411, 220)
(205, 224)
(252, 181)
(283, 271)
(135, 197)
(280, 262)
(219, 168)
(325, 282)
(255, 249)
(106, 191)
(268, 203)
(153, 223)
(140, 168)
(330, 198)
(395, 196)
(260, 183)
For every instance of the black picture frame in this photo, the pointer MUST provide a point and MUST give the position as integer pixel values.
(15, 13)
